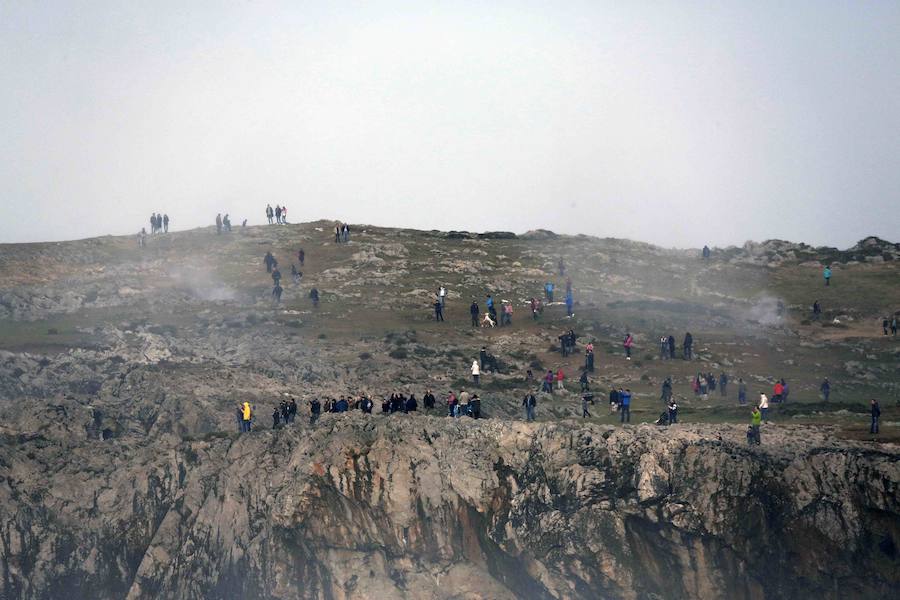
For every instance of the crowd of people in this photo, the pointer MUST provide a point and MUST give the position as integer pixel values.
(271, 264)
(465, 404)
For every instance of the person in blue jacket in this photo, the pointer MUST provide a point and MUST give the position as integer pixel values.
(548, 289)
(625, 405)
(827, 275)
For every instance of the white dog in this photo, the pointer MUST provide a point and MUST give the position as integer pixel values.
(487, 321)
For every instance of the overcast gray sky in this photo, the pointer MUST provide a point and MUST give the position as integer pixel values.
(670, 122)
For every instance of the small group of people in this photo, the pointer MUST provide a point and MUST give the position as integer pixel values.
(487, 361)
(780, 391)
(551, 377)
(464, 404)
(488, 318)
(706, 383)
(271, 264)
(341, 233)
(284, 414)
(667, 347)
(223, 223)
(567, 342)
(159, 223)
(891, 324)
(620, 400)
(276, 216)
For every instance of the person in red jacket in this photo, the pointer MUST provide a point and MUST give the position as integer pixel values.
(777, 392)
(560, 376)
(628, 343)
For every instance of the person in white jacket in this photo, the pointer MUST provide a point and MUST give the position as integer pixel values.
(476, 371)
(764, 407)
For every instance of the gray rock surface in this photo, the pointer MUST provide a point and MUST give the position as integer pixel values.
(363, 506)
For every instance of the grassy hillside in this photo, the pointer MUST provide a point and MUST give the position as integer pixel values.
(206, 299)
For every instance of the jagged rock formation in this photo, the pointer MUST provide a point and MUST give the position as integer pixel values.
(417, 507)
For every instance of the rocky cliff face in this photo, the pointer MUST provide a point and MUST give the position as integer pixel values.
(363, 506)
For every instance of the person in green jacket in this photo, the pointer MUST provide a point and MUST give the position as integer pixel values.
(755, 421)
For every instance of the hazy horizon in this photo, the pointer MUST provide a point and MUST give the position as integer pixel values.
(675, 124)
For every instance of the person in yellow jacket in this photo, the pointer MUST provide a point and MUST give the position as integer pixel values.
(247, 416)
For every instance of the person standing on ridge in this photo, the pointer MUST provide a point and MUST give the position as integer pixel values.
(474, 312)
(438, 311)
(246, 417)
(826, 273)
(529, 402)
(548, 290)
(764, 407)
(627, 344)
(489, 305)
(876, 415)
(688, 346)
(672, 410)
(507, 312)
(219, 224)
(825, 388)
(755, 422)
(476, 372)
(166, 223)
(666, 394)
(625, 405)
